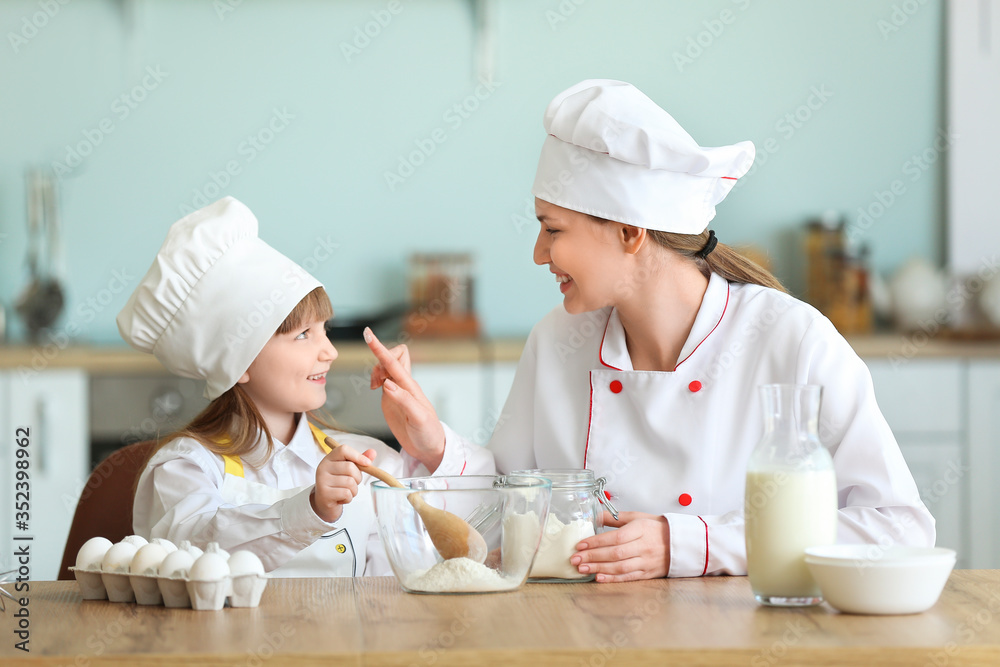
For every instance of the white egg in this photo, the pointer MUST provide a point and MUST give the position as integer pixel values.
(166, 544)
(186, 545)
(92, 552)
(245, 562)
(176, 564)
(210, 567)
(147, 559)
(136, 540)
(214, 548)
(119, 557)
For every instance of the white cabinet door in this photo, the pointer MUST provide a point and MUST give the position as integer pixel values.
(942, 477)
(922, 395)
(456, 391)
(501, 379)
(984, 463)
(923, 401)
(51, 407)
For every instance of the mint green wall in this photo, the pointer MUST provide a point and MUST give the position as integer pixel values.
(322, 178)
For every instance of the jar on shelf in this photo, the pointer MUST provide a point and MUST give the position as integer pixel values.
(576, 512)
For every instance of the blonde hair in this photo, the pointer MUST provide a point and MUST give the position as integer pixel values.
(723, 260)
(231, 424)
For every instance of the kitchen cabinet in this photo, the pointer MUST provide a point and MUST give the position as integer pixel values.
(501, 380)
(52, 406)
(457, 393)
(923, 402)
(984, 463)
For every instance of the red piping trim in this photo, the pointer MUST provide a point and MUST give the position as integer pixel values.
(600, 355)
(703, 572)
(590, 420)
(462, 472)
(709, 333)
(729, 178)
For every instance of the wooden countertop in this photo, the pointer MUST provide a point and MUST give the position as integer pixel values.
(121, 360)
(371, 621)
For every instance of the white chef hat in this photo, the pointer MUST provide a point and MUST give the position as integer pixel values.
(213, 297)
(613, 153)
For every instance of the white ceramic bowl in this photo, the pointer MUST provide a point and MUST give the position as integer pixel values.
(867, 579)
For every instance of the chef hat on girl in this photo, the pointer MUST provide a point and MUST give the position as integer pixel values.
(213, 297)
(613, 153)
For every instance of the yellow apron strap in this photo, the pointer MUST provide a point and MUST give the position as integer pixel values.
(234, 465)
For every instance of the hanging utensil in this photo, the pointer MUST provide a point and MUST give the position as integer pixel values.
(41, 302)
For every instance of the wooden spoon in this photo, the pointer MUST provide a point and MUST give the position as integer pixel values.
(451, 535)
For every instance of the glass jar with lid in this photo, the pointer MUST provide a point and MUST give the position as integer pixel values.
(575, 513)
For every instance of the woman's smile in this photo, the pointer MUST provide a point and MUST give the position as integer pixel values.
(564, 282)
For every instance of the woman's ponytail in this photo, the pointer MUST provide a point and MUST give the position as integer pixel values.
(705, 250)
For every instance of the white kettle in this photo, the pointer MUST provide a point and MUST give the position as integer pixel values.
(919, 292)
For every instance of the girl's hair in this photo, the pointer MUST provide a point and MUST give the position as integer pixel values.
(723, 260)
(231, 424)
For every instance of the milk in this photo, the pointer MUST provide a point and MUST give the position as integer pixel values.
(787, 511)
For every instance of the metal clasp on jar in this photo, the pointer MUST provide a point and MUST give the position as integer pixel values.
(603, 498)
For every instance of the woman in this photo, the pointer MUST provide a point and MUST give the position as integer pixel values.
(648, 371)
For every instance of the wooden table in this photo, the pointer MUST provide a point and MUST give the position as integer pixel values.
(371, 621)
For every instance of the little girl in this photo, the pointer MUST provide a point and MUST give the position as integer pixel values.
(251, 472)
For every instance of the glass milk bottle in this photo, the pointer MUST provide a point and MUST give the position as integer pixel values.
(791, 497)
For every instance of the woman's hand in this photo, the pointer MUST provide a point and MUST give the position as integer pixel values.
(337, 479)
(639, 549)
(410, 416)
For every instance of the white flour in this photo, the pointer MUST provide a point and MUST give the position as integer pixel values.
(460, 575)
(558, 544)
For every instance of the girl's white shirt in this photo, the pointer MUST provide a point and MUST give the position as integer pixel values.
(185, 494)
(677, 443)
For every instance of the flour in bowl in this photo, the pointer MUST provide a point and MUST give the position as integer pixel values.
(460, 575)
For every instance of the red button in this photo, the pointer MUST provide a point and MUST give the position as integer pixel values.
(684, 499)
(616, 387)
(695, 386)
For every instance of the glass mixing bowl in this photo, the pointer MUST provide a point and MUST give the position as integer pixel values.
(516, 504)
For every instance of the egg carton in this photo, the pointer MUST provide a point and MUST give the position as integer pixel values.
(158, 572)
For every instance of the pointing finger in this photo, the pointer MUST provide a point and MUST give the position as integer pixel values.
(391, 365)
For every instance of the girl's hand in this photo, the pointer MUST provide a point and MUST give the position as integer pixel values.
(639, 549)
(337, 479)
(410, 416)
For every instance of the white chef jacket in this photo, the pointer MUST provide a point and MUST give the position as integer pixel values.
(677, 443)
(185, 493)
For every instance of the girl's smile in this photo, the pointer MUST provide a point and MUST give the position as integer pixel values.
(289, 375)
